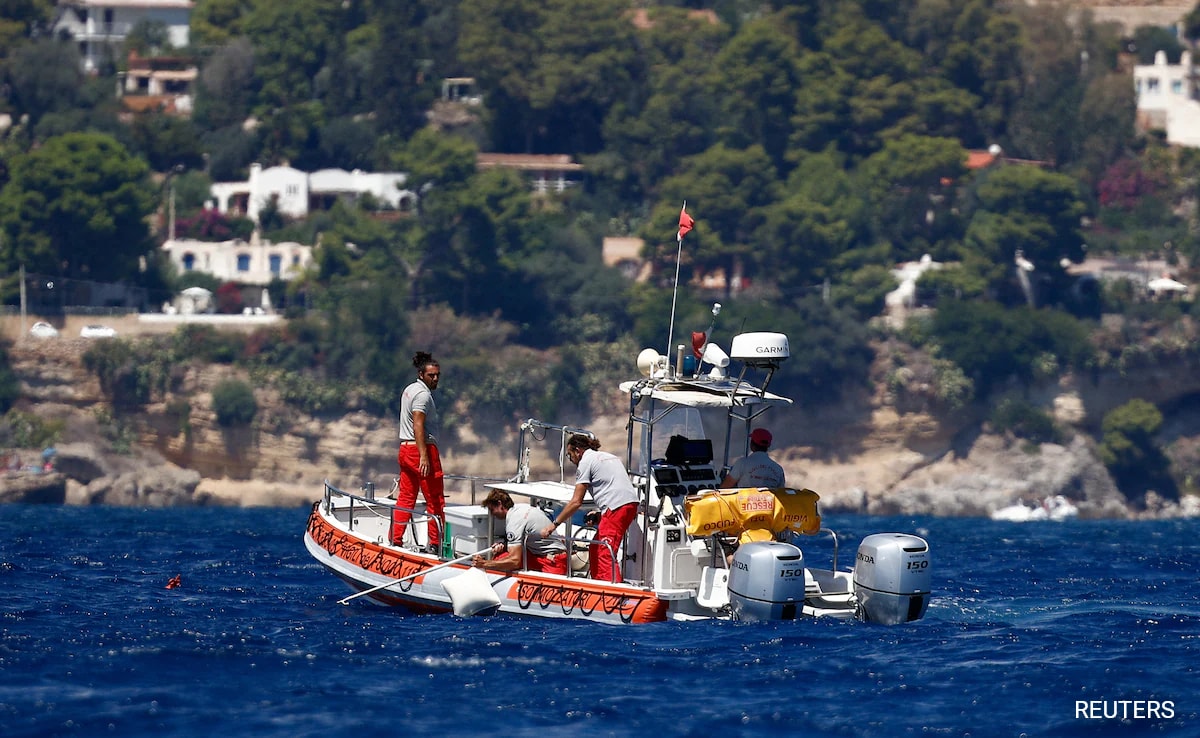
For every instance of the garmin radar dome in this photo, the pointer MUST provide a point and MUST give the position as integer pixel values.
(760, 349)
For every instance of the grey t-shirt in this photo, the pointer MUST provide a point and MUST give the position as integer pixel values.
(418, 398)
(610, 485)
(757, 470)
(523, 526)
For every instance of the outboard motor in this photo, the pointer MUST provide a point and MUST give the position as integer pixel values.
(892, 578)
(766, 581)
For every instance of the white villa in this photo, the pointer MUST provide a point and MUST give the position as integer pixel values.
(100, 26)
(1167, 99)
(295, 193)
(256, 262)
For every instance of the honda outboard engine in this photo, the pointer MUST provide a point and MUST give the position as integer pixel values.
(766, 581)
(891, 578)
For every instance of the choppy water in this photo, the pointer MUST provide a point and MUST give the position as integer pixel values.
(1027, 620)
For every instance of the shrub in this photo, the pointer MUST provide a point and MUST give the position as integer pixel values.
(206, 343)
(25, 430)
(1129, 451)
(992, 344)
(129, 373)
(233, 402)
(1024, 420)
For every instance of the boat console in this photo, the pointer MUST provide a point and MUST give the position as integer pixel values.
(686, 469)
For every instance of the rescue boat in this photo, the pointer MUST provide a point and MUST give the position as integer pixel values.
(695, 551)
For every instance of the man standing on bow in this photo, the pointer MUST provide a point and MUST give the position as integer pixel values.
(420, 464)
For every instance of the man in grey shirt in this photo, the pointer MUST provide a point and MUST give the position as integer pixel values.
(523, 525)
(420, 463)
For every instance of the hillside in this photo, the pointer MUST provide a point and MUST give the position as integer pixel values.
(863, 455)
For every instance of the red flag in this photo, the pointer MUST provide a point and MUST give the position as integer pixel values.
(685, 222)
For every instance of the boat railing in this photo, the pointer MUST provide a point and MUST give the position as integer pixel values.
(368, 503)
(475, 482)
(366, 499)
(798, 538)
(588, 542)
(529, 430)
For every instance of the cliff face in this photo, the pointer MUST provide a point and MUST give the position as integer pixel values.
(863, 455)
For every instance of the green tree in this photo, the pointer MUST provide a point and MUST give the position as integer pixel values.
(728, 191)
(216, 22)
(234, 404)
(148, 38)
(77, 207)
(1129, 450)
(227, 86)
(755, 76)
(20, 19)
(1028, 210)
(830, 349)
(551, 69)
(992, 344)
(397, 85)
(912, 206)
(44, 76)
(675, 114)
(167, 141)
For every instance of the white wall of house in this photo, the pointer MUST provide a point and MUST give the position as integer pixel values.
(292, 189)
(100, 26)
(387, 187)
(1166, 96)
(256, 262)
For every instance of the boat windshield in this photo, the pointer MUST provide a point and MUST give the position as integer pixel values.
(678, 421)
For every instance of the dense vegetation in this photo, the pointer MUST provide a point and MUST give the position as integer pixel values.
(817, 143)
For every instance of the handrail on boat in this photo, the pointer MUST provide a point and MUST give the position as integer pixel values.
(570, 551)
(612, 554)
(530, 427)
(832, 535)
(417, 516)
(473, 479)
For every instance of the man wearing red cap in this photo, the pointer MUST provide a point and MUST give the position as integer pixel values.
(757, 469)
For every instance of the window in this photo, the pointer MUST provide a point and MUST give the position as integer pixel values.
(243, 262)
(291, 190)
(276, 262)
(1152, 85)
(1176, 87)
(189, 262)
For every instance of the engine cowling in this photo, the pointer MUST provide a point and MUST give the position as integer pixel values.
(766, 581)
(892, 578)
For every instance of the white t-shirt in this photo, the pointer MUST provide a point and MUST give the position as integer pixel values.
(610, 485)
(756, 470)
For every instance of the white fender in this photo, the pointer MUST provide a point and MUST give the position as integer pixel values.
(471, 593)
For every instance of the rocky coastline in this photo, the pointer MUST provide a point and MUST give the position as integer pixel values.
(863, 456)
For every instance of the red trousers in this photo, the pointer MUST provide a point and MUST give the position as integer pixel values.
(552, 564)
(433, 489)
(612, 527)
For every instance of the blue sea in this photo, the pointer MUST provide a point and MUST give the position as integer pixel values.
(1029, 622)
